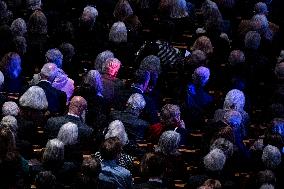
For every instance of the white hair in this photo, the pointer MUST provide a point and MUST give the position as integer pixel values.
(10, 122)
(68, 133)
(10, 108)
(271, 157)
(225, 145)
(168, 142)
(136, 101)
(54, 151)
(116, 129)
(19, 27)
(118, 32)
(234, 100)
(215, 160)
(178, 9)
(34, 98)
(92, 11)
(267, 186)
(101, 58)
(49, 70)
(1, 79)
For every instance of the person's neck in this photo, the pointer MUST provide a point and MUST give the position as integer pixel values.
(73, 113)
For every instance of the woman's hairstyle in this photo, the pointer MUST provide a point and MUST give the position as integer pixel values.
(93, 79)
(122, 10)
(136, 102)
(34, 98)
(201, 75)
(33, 4)
(68, 133)
(267, 186)
(10, 122)
(168, 143)
(101, 59)
(178, 9)
(10, 108)
(252, 40)
(10, 65)
(54, 151)
(215, 160)
(111, 148)
(213, 184)
(116, 129)
(234, 100)
(271, 157)
(54, 56)
(225, 145)
(118, 33)
(37, 23)
(204, 44)
(19, 27)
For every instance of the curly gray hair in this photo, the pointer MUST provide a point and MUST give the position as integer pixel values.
(118, 33)
(234, 100)
(225, 145)
(10, 108)
(215, 160)
(201, 75)
(151, 63)
(271, 157)
(101, 59)
(19, 27)
(34, 98)
(136, 101)
(168, 143)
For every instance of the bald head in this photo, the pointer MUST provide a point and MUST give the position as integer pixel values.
(77, 105)
(48, 71)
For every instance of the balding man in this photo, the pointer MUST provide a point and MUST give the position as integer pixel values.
(56, 98)
(76, 114)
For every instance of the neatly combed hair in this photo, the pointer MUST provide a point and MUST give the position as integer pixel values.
(236, 57)
(169, 112)
(234, 100)
(34, 98)
(225, 145)
(178, 9)
(101, 59)
(136, 102)
(10, 108)
(252, 40)
(116, 129)
(93, 79)
(2, 79)
(215, 160)
(19, 27)
(45, 180)
(54, 56)
(10, 65)
(204, 44)
(68, 133)
(168, 143)
(271, 157)
(122, 10)
(118, 32)
(151, 63)
(54, 151)
(201, 75)
(37, 23)
(111, 66)
(10, 122)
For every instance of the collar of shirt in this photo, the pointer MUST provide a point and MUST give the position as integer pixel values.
(46, 81)
(73, 115)
(133, 86)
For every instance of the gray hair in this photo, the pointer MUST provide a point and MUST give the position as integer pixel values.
(151, 63)
(201, 75)
(10, 122)
(136, 101)
(118, 33)
(91, 13)
(116, 129)
(54, 151)
(93, 78)
(233, 118)
(2, 79)
(10, 108)
(234, 100)
(19, 27)
(271, 157)
(49, 70)
(252, 40)
(225, 145)
(54, 56)
(215, 160)
(101, 59)
(236, 57)
(267, 186)
(168, 142)
(34, 98)
(178, 9)
(68, 133)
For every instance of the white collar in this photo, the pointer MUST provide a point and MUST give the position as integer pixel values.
(74, 115)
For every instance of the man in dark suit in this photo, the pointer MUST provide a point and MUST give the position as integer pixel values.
(56, 98)
(76, 114)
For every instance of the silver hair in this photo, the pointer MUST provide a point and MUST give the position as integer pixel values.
(91, 12)
(136, 101)
(34, 98)
(151, 63)
(101, 58)
(116, 129)
(233, 118)
(234, 100)
(168, 143)
(266, 186)
(54, 56)
(252, 40)
(271, 157)
(54, 151)
(10, 122)
(2, 79)
(68, 133)
(93, 78)
(10, 108)
(49, 70)
(236, 57)
(19, 27)
(215, 160)
(178, 9)
(225, 145)
(201, 75)
(118, 33)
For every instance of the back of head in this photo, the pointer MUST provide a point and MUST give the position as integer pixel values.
(7, 141)
(234, 100)
(267, 186)
(266, 176)
(34, 98)
(54, 56)
(271, 157)
(201, 75)
(11, 65)
(236, 57)
(204, 44)
(54, 151)
(252, 40)
(116, 129)
(141, 77)
(10, 122)
(152, 165)
(94, 80)
(198, 58)
(88, 17)
(77, 105)
(68, 133)
(49, 71)
(111, 66)
(19, 27)
(214, 160)
(136, 102)
(33, 4)
(260, 8)
(169, 114)
(2, 79)
(118, 33)
(110, 148)
(68, 51)
(233, 118)
(37, 23)
(45, 180)
(151, 63)
(225, 145)
(10, 108)
(101, 58)
(168, 143)
(122, 10)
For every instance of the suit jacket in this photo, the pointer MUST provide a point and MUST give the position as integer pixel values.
(56, 98)
(54, 123)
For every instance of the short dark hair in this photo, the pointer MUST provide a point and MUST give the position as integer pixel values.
(141, 76)
(111, 148)
(152, 165)
(45, 180)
